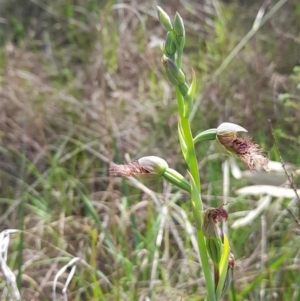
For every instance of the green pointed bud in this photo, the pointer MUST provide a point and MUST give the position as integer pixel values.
(189, 97)
(178, 25)
(179, 29)
(164, 19)
(175, 74)
(170, 47)
(176, 179)
(214, 249)
(153, 164)
(192, 88)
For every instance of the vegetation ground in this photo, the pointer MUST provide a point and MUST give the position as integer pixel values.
(82, 85)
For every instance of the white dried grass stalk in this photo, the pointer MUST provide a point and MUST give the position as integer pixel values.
(263, 204)
(277, 192)
(9, 276)
(72, 264)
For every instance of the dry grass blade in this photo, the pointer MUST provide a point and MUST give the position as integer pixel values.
(278, 192)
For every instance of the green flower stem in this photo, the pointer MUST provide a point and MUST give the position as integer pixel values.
(179, 59)
(180, 103)
(196, 204)
(187, 134)
(205, 266)
(176, 179)
(210, 134)
(197, 211)
(179, 55)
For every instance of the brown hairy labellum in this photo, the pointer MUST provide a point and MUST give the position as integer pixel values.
(211, 218)
(249, 152)
(218, 214)
(127, 170)
(146, 165)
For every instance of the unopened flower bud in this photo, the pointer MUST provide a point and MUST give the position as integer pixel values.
(170, 47)
(214, 248)
(178, 25)
(244, 148)
(179, 29)
(175, 74)
(164, 19)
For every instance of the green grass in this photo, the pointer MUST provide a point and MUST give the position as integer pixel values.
(82, 87)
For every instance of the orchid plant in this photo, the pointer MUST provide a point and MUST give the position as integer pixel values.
(212, 241)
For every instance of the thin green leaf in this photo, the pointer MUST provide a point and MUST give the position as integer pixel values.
(223, 267)
(189, 98)
(182, 141)
(196, 203)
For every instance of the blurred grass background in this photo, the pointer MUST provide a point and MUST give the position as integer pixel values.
(82, 85)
